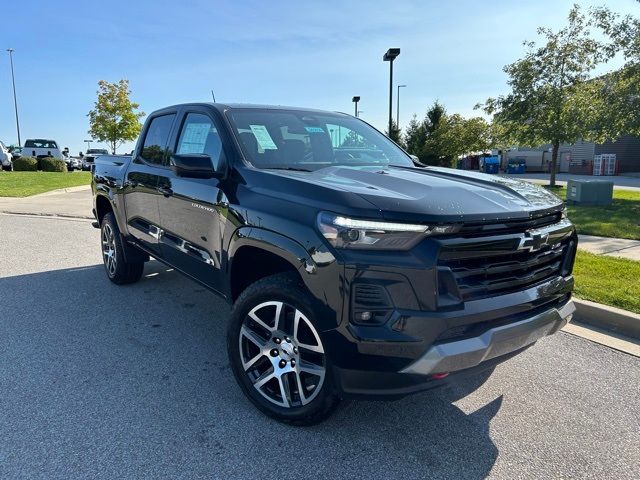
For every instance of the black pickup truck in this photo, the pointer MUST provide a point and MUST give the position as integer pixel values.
(353, 271)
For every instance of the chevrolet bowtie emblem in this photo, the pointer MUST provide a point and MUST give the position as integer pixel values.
(534, 241)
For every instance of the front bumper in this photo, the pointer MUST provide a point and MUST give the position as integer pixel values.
(495, 342)
(460, 357)
(450, 305)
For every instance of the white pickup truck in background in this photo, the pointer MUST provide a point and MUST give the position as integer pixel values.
(38, 148)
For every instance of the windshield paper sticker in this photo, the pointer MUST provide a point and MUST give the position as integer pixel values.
(314, 129)
(262, 136)
(194, 138)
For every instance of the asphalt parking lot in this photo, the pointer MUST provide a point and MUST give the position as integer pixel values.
(100, 381)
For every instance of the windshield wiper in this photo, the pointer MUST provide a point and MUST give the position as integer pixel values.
(293, 169)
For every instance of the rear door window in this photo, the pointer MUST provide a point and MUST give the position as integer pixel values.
(156, 140)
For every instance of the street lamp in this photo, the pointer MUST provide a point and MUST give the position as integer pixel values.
(15, 101)
(356, 100)
(88, 142)
(390, 56)
(398, 107)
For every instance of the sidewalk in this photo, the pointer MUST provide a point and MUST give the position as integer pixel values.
(73, 202)
(614, 247)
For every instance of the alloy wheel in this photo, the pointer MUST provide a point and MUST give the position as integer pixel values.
(109, 249)
(281, 354)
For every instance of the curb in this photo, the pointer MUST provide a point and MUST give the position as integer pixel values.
(608, 318)
(58, 191)
(64, 216)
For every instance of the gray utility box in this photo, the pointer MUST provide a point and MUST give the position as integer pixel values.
(589, 192)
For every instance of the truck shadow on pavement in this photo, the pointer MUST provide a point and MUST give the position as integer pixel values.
(124, 382)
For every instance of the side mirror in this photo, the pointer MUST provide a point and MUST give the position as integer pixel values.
(193, 165)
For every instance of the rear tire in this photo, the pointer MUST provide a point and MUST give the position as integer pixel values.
(118, 269)
(276, 353)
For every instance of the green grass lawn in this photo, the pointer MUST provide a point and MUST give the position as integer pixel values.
(608, 280)
(621, 219)
(23, 184)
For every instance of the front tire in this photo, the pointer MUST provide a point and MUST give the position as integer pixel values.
(276, 353)
(118, 269)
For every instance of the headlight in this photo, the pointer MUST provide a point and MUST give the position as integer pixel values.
(345, 232)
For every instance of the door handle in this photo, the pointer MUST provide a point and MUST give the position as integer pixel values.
(166, 191)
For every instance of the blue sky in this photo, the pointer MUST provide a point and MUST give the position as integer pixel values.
(314, 54)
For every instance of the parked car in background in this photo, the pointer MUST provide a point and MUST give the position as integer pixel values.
(5, 158)
(15, 151)
(40, 148)
(73, 163)
(91, 155)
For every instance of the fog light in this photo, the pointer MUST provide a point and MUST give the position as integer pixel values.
(364, 316)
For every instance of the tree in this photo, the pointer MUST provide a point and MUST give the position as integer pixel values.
(435, 147)
(434, 116)
(461, 136)
(455, 136)
(440, 138)
(415, 136)
(395, 133)
(418, 132)
(114, 118)
(551, 97)
(620, 89)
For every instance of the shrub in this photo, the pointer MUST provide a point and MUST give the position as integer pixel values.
(25, 164)
(48, 164)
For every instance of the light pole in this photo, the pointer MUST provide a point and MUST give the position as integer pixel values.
(88, 142)
(15, 101)
(398, 107)
(390, 56)
(356, 100)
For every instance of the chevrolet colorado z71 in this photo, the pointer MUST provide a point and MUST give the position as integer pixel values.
(352, 270)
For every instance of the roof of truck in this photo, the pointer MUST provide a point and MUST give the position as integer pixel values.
(238, 106)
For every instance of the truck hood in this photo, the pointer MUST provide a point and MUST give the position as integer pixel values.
(417, 194)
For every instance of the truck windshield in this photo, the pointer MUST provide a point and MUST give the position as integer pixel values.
(307, 141)
(40, 144)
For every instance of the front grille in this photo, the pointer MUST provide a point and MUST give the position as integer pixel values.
(483, 276)
(509, 226)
